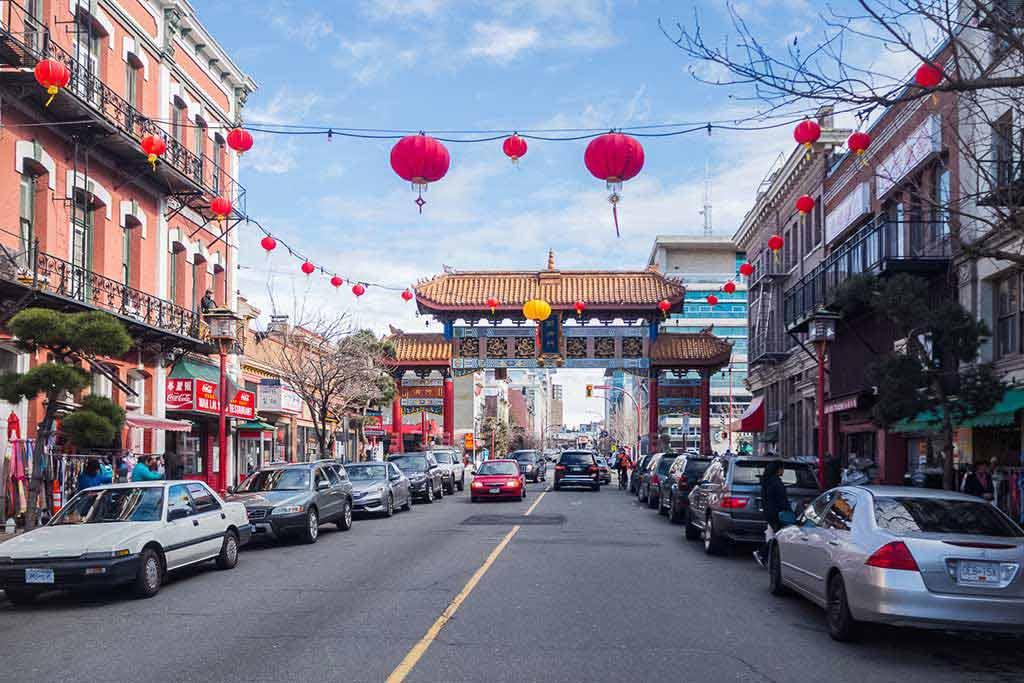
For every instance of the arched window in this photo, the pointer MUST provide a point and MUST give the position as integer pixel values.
(179, 114)
(133, 80)
(218, 159)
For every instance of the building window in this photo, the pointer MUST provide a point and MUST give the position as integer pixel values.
(137, 383)
(178, 115)
(940, 215)
(81, 231)
(218, 159)
(27, 213)
(788, 260)
(132, 70)
(101, 385)
(808, 240)
(172, 294)
(818, 231)
(1002, 150)
(1007, 314)
(195, 286)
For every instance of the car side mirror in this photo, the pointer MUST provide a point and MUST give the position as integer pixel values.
(177, 513)
(323, 485)
(230, 490)
(395, 477)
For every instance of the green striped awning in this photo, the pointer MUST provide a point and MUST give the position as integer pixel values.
(1002, 414)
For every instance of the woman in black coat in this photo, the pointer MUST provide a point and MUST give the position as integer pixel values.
(774, 501)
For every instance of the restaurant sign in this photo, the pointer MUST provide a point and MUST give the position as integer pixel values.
(199, 395)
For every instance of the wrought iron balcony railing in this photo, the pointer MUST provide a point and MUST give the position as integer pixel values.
(881, 246)
(767, 346)
(1005, 179)
(26, 40)
(767, 265)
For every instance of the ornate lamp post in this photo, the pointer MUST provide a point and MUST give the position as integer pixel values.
(223, 323)
(822, 330)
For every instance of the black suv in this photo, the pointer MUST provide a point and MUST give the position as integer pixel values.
(651, 480)
(531, 465)
(683, 475)
(726, 506)
(426, 477)
(577, 468)
(638, 471)
(281, 500)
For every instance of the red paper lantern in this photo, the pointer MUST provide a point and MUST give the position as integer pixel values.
(712, 299)
(858, 143)
(614, 158)
(153, 146)
(928, 75)
(358, 289)
(580, 306)
(492, 303)
(729, 287)
(514, 148)
(664, 305)
(775, 242)
(807, 133)
(53, 76)
(337, 281)
(420, 160)
(407, 295)
(240, 140)
(268, 243)
(220, 207)
(805, 204)
(308, 268)
(746, 270)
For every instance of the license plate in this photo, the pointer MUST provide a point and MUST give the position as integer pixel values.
(38, 576)
(978, 573)
(498, 490)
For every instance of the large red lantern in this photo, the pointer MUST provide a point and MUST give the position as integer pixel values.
(240, 140)
(358, 289)
(805, 204)
(712, 300)
(53, 76)
(928, 75)
(729, 287)
(268, 243)
(807, 133)
(664, 306)
(420, 160)
(492, 304)
(775, 242)
(153, 146)
(614, 158)
(746, 269)
(407, 295)
(220, 207)
(337, 281)
(308, 268)
(858, 143)
(580, 306)
(514, 148)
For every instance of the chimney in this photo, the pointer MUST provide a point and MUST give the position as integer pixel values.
(278, 324)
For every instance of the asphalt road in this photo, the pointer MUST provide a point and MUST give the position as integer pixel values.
(591, 587)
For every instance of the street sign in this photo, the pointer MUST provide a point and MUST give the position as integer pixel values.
(468, 442)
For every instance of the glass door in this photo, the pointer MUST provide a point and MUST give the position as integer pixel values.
(87, 56)
(81, 246)
(27, 218)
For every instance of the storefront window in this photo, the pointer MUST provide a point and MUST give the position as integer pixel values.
(860, 445)
(1007, 311)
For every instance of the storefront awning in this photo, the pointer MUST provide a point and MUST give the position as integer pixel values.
(1002, 414)
(752, 419)
(256, 426)
(151, 422)
(187, 368)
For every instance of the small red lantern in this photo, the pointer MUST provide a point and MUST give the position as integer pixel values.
(220, 207)
(664, 306)
(358, 289)
(614, 158)
(746, 270)
(514, 148)
(308, 268)
(805, 204)
(407, 295)
(420, 160)
(775, 242)
(337, 281)
(153, 146)
(712, 299)
(858, 143)
(807, 133)
(268, 243)
(729, 287)
(53, 76)
(928, 75)
(580, 306)
(492, 303)
(240, 140)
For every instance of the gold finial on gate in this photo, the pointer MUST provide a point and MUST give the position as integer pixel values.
(551, 259)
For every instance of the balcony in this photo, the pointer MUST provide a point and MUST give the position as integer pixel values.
(882, 247)
(767, 265)
(768, 347)
(35, 278)
(89, 106)
(1006, 183)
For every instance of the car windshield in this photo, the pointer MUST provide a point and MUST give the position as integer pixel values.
(800, 475)
(410, 463)
(577, 458)
(367, 472)
(665, 463)
(487, 468)
(444, 457)
(944, 516)
(524, 456)
(141, 504)
(278, 479)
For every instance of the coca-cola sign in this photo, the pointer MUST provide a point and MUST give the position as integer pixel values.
(202, 396)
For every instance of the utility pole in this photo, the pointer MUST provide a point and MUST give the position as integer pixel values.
(706, 211)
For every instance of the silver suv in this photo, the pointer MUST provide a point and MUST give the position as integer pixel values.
(451, 465)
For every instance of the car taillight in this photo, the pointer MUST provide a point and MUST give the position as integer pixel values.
(593, 468)
(655, 480)
(895, 555)
(559, 468)
(683, 481)
(734, 502)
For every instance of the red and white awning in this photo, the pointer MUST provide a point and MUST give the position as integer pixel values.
(140, 421)
(752, 419)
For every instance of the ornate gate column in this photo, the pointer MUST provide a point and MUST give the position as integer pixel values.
(705, 412)
(652, 412)
(448, 409)
(396, 417)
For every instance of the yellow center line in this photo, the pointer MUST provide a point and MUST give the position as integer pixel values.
(410, 660)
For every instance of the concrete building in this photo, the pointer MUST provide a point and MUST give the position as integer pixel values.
(557, 407)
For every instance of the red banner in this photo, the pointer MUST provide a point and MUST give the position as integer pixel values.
(200, 396)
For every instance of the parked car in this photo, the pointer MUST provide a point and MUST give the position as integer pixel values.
(131, 533)
(451, 464)
(604, 470)
(650, 482)
(379, 487)
(683, 475)
(636, 475)
(498, 479)
(531, 464)
(577, 468)
(426, 478)
(904, 556)
(726, 506)
(295, 499)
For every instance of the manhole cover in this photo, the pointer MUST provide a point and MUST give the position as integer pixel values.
(508, 520)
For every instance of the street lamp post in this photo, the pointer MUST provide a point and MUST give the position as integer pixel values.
(822, 330)
(223, 325)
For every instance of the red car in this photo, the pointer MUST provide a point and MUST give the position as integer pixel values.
(497, 479)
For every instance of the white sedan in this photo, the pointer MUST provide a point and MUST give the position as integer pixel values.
(131, 533)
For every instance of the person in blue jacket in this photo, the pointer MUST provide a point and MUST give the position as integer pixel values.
(94, 474)
(145, 469)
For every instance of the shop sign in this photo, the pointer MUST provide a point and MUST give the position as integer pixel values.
(842, 404)
(200, 396)
(919, 145)
(279, 398)
(417, 382)
(179, 394)
(421, 392)
(844, 214)
(373, 425)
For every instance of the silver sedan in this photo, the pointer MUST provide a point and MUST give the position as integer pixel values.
(378, 487)
(903, 556)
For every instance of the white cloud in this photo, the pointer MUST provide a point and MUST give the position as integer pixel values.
(382, 10)
(501, 42)
(307, 27)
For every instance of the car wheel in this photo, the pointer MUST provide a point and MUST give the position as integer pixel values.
(556, 486)
(428, 497)
(523, 497)
(713, 545)
(150, 574)
(595, 487)
(228, 557)
(675, 515)
(661, 506)
(345, 521)
(775, 585)
(652, 500)
(841, 624)
(472, 499)
(439, 494)
(20, 597)
(449, 488)
(691, 532)
(312, 528)
(389, 506)
(462, 482)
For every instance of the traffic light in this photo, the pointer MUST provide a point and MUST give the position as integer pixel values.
(590, 391)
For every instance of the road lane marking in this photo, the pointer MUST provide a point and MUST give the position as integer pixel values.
(405, 667)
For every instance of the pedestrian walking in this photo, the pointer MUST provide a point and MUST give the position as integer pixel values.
(94, 474)
(978, 482)
(774, 501)
(146, 469)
